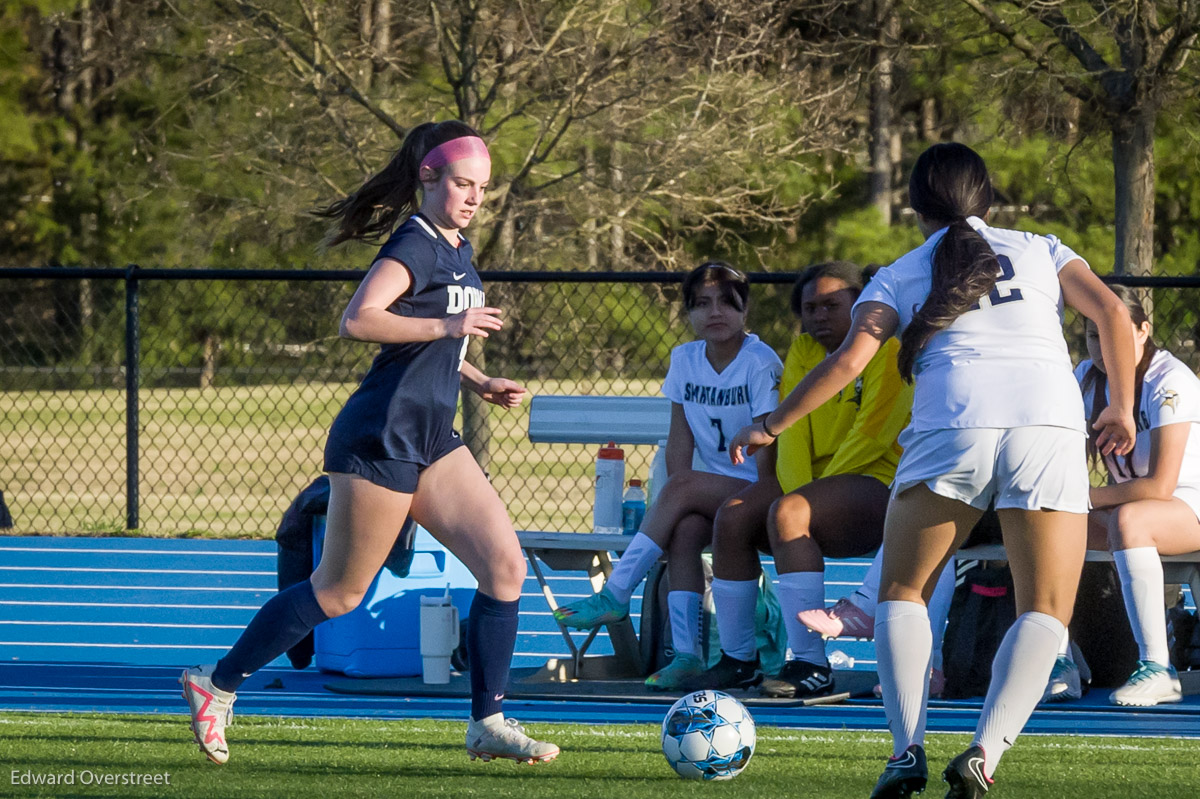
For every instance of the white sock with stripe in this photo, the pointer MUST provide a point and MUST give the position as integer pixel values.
(1019, 676)
(683, 608)
(801, 591)
(635, 561)
(903, 645)
(736, 602)
(1141, 574)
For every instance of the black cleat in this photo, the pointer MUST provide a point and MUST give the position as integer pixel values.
(799, 679)
(903, 776)
(727, 674)
(966, 776)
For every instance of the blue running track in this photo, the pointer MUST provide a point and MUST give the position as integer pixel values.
(106, 625)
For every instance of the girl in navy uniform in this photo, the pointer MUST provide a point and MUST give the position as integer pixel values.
(392, 451)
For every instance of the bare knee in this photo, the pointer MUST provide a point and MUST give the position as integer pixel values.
(1127, 528)
(789, 519)
(727, 530)
(505, 575)
(338, 599)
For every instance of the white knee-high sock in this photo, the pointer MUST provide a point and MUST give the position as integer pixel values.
(632, 567)
(1019, 674)
(1141, 575)
(866, 596)
(801, 591)
(903, 643)
(683, 608)
(939, 608)
(1064, 648)
(736, 601)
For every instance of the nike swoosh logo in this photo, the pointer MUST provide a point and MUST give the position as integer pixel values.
(498, 697)
(907, 760)
(975, 764)
(459, 276)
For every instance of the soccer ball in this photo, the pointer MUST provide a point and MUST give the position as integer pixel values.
(708, 735)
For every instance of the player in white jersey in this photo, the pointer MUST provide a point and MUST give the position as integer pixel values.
(1151, 506)
(996, 417)
(717, 385)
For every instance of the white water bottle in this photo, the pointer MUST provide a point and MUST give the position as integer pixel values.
(610, 481)
(840, 660)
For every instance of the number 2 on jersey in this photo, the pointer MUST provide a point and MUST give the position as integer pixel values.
(995, 296)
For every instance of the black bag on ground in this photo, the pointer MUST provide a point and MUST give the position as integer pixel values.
(1100, 626)
(1183, 635)
(294, 541)
(981, 612)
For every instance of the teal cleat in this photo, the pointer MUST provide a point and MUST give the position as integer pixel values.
(595, 611)
(682, 670)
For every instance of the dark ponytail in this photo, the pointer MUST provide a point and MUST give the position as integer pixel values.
(371, 212)
(948, 184)
(1096, 381)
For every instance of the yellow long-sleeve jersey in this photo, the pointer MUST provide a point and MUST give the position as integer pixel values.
(853, 433)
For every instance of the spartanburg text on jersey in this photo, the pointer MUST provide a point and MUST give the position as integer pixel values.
(718, 404)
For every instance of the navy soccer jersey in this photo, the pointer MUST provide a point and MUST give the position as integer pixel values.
(402, 414)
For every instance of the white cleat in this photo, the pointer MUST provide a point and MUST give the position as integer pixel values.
(506, 739)
(1151, 684)
(211, 709)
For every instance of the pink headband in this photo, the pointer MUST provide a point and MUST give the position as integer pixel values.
(455, 150)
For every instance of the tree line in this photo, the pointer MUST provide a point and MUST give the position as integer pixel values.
(627, 134)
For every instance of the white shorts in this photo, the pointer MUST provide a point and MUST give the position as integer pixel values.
(1030, 468)
(1190, 495)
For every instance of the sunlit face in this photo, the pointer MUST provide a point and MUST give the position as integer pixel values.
(452, 199)
(1140, 335)
(714, 318)
(825, 305)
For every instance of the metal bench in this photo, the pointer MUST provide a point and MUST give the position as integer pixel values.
(561, 419)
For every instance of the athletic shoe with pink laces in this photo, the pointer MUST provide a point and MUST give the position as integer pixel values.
(211, 709)
(844, 618)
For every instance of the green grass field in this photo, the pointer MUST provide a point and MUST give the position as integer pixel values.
(226, 462)
(274, 757)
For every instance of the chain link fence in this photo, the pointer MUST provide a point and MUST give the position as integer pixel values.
(196, 402)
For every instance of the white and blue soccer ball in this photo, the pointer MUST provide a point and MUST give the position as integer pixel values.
(708, 735)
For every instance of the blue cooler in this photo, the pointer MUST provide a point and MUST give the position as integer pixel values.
(382, 636)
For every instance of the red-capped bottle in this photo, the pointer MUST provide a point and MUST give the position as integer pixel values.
(610, 480)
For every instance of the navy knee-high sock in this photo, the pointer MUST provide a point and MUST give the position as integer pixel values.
(284, 620)
(491, 637)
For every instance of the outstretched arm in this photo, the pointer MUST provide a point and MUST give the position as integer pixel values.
(1086, 293)
(873, 323)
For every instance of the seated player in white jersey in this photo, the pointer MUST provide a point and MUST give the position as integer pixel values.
(717, 384)
(1150, 506)
(997, 417)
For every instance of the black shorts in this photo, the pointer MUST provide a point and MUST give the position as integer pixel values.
(400, 475)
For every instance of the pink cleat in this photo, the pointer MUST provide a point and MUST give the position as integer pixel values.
(844, 618)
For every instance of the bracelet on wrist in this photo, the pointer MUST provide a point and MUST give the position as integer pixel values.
(766, 429)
